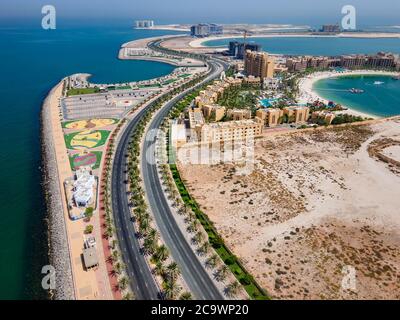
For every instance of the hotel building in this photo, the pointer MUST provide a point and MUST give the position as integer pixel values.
(238, 114)
(300, 64)
(205, 29)
(144, 24)
(296, 114)
(196, 122)
(259, 64)
(272, 117)
(213, 112)
(231, 131)
(330, 28)
(326, 116)
(178, 135)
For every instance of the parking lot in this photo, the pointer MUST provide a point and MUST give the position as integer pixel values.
(112, 104)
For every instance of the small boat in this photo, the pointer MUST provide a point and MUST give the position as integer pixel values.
(396, 78)
(354, 90)
(378, 83)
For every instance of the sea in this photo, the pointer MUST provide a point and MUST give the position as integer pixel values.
(377, 100)
(318, 46)
(32, 61)
(380, 97)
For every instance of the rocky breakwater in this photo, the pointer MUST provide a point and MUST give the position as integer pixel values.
(57, 234)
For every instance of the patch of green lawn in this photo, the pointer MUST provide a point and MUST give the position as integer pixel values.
(79, 91)
(104, 136)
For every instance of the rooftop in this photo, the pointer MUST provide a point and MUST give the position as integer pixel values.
(90, 257)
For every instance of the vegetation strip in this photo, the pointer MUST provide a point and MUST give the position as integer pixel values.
(241, 274)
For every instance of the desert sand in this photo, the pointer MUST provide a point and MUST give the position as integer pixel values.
(316, 203)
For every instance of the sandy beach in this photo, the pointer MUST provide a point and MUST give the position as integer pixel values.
(199, 43)
(307, 93)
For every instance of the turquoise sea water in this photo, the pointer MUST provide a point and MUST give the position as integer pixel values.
(33, 60)
(318, 46)
(378, 99)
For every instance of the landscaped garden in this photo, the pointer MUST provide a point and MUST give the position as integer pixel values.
(86, 139)
(243, 97)
(92, 159)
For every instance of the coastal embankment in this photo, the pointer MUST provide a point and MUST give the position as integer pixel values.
(58, 241)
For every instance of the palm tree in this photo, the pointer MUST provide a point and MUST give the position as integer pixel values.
(212, 261)
(191, 216)
(222, 273)
(144, 225)
(159, 269)
(171, 290)
(128, 296)
(115, 255)
(123, 283)
(118, 267)
(109, 232)
(114, 244)
(193, 226)
(233, 288)
(205, 247)
(161, 253)
(199, 237)
(149, 245)
(173, 271)
(186, 296)
(152, 234)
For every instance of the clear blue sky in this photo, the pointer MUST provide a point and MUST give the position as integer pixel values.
(311, 12)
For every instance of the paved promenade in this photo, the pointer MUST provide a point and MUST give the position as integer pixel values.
(92, 284)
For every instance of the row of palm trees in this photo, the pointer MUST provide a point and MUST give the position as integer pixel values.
(199, 238)
(193, 225)
(118, 265)
(158, 252)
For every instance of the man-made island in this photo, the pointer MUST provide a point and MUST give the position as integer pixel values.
(134, 216)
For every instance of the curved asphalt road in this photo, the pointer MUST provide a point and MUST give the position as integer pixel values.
(198, 280)
(142, 280)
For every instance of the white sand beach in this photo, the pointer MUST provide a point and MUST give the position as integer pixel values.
(199, 43)
(307, 93)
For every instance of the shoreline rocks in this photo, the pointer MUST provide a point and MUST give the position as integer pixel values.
(59, 255)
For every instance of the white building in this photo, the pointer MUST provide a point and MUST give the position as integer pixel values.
(83, 187)
(178, 135)
(144, 24)
(272, 83)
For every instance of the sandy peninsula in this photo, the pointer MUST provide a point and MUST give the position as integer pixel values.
(199, 43)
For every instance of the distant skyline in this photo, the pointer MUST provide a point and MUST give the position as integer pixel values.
(306, 12)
